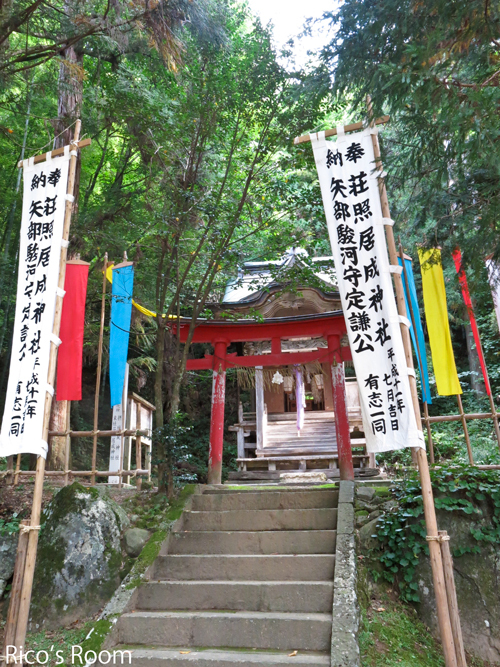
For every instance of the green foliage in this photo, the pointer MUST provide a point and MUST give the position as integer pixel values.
(9, 526)
(401, 531)
(434, 67)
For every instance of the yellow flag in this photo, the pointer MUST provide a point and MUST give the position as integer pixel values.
(143, 310)
(109, 272)
(436, 315)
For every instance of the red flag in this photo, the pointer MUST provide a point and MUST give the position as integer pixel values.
(69, 360)
(462, 279)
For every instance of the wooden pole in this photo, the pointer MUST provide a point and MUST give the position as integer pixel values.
(429, 433)
(466, 430)
(99, 368)
(18, 468)
(29, 570)
(138, 445)
(347, 128)
(421, 455)
(67, 449)
(58, 151)
(452, 598)
(17, 582)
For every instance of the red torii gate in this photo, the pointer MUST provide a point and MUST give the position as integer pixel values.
(330, 326)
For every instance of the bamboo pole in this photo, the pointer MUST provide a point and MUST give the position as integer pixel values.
(86, 473)
(25, 599)
(466, 430)
(99, 367)
(138, 444)
(56, 152)
(100, 434)
(421, 455)
(457, 418)
(347, 128)
(452, 598)
(18, 468)
(17, 582)
(429, 432)
(494, 415)
(67, 449)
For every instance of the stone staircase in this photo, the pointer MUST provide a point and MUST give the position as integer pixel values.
(246, 579)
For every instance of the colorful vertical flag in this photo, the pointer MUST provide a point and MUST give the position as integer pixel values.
(69, 361)
(417, 333)
(494, 280)
(438, 326)
(121, 313)
(462, 279)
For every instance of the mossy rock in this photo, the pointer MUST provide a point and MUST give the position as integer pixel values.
(477, 581)
(79, 555)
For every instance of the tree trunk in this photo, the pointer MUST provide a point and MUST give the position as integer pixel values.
(58, 419)
(476, 375)
(69, 107)
(160, 356)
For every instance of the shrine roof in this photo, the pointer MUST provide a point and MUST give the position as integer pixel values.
(255, 277)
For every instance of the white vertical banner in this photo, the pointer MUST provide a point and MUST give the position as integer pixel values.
(117, 441)
(351, 200)
(44, 203)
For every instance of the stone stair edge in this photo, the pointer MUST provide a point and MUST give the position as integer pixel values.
(204, 657)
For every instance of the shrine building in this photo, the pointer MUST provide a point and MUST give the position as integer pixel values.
(292, 354)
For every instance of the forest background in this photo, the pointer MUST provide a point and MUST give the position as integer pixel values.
(192, 170)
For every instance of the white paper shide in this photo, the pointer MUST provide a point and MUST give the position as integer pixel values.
(44, 201)
(356, 227)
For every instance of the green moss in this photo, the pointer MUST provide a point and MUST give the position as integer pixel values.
(361, 513)
(152, 548)
(95, 638)
(383, 491)
(66, 502)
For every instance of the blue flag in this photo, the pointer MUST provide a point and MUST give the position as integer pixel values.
(121, 313)
(418, 341)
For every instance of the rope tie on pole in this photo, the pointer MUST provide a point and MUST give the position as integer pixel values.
(437, 538)
(27, 529)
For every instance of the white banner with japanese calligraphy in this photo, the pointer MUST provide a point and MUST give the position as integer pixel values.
(356, 227)
(44, 202)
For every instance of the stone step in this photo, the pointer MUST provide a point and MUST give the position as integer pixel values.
(308, 519)
(271, 501)
(197, 657)
(253, 542)
(248, 629)
(268, 490)
(317, 567)
(285, 596)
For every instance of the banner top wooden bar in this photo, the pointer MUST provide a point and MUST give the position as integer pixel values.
(347, 128)
(55, 153)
